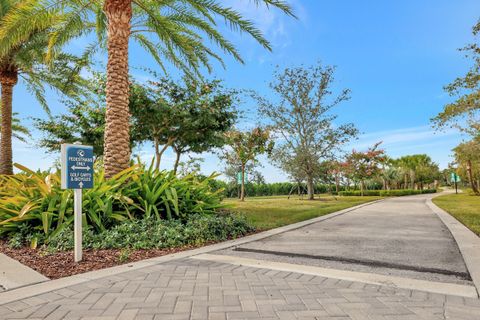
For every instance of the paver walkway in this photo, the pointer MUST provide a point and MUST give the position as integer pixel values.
(191, 288)
(398, 236)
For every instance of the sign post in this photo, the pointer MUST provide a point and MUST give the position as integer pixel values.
(77, 174)
(455, 178)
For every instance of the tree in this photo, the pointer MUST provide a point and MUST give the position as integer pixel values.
(178, 32)
(192, 117)
(245, 147)
(467, 154)
(366, 165)
(303, 120)
(205, 112)
(23, 58)
(19, 131)
(464, 113)
(419, 169)
(85, 120)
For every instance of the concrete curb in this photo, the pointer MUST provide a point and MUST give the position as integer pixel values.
(467, 241)
(36, 289)
(370, 278)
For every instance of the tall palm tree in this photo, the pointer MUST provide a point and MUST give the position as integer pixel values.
(177, 32)
(24, 58)
(19, 131)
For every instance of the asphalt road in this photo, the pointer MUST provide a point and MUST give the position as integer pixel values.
(398, 236)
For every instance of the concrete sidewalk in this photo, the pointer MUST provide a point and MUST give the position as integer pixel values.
(13, 274)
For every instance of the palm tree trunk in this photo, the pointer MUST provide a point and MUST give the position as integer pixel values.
(117, 140)
(8, 79)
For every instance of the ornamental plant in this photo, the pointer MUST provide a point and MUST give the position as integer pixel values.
(35, 201)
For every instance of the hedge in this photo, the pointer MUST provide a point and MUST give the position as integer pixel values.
(387, 193)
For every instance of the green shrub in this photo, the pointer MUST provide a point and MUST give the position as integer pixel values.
(34, 203)
(152, 233)
(386, 193)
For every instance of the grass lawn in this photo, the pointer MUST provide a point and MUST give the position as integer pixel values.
(276, 211)
(464, 207)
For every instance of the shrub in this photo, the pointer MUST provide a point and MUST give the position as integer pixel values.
(33, 202)
(386, 193)
(152, 233)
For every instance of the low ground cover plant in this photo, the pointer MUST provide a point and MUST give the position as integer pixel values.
(386, 193)
(34, 209)
(148, 233)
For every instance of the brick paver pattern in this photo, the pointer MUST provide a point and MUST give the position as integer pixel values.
(195, 289)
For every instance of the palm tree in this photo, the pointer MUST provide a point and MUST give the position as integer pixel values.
(172, 31)
(19, 131)
(23, 58)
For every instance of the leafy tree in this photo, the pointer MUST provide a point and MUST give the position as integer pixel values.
(178, 32)
(303, 120)
(366, 165)
(189, 118)
(83, 123)
(190, 167)
(464, 113)
(245, 147)
(23, 58)
(467, 154)
(85, 120)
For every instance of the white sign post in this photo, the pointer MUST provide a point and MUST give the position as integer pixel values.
(77, 174)
(77, 224)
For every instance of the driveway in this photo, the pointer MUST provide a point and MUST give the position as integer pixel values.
(398, 236)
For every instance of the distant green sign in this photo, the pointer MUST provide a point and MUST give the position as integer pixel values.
(454, 177)
(239, 177)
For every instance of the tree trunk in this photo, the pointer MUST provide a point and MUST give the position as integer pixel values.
(117, 118)
(310, 188)
(159, 153)
(8, 79)
(470, 176)
(337, 184)
(405, 181)
(177, 161)
(362, 187)
(242, 188)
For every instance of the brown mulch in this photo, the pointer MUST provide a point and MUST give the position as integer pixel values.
(60, 264)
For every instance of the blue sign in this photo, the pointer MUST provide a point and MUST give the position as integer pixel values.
(77, 166)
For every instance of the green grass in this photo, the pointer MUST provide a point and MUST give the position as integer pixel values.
(464, 207)
(276, 211)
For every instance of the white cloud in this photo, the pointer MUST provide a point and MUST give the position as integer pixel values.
(398, 137)
(421, 139)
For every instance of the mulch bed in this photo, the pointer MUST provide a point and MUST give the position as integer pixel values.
(60, 264)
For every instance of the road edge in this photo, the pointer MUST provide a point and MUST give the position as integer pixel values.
(467, 241)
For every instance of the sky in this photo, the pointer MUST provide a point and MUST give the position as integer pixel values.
(394, 56)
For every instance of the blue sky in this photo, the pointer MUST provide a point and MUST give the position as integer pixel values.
(395, 56)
